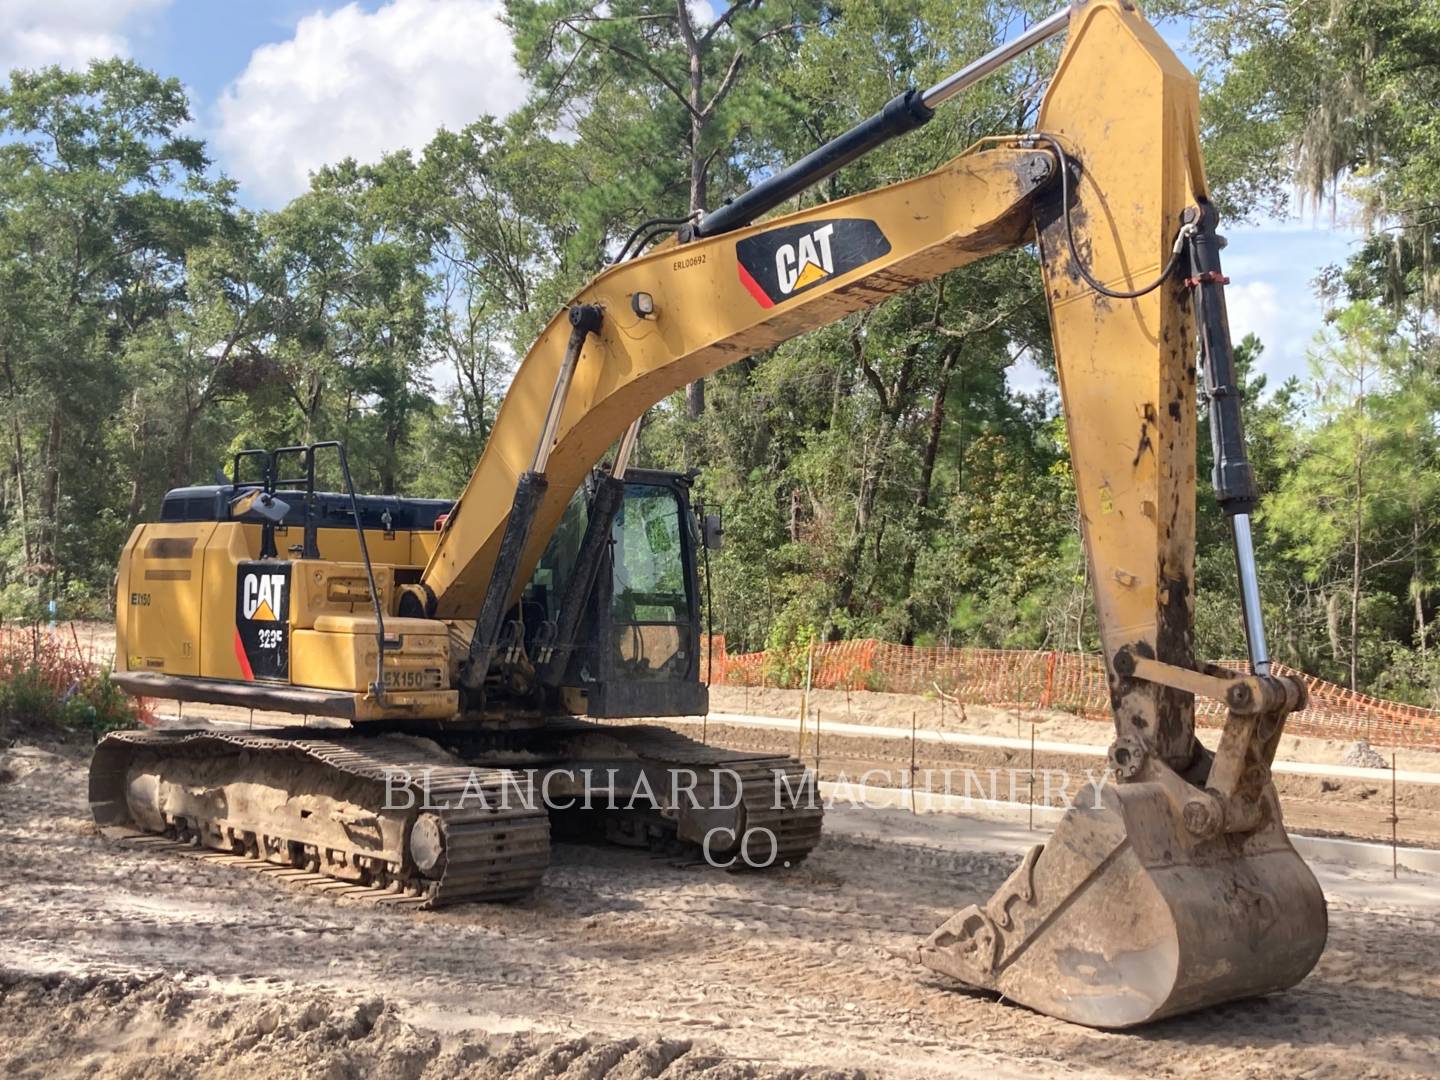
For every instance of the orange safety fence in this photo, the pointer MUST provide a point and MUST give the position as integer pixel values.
(1034, 679)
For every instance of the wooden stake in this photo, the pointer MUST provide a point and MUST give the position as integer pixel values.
(805, 694)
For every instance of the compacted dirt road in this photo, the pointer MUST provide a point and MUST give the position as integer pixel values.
(122, 962)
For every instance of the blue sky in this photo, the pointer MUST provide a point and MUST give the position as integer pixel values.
(280, 87)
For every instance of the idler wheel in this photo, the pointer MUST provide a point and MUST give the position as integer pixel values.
(427, 845)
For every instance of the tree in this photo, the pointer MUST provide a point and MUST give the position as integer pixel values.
(1357, 505)
(680, 87)
(101, 195)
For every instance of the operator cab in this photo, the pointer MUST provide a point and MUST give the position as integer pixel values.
(637, 651)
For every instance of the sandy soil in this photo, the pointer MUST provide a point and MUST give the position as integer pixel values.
(119, 962)
(127, 1026)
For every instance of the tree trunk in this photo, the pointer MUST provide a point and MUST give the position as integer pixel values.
(892, 403)
(19, 468)
(50, 497)
(387, 469)
(1417, 579)
(1355, 570)
(181, 464)
(922, 495)
(699, 165)
(139, 440)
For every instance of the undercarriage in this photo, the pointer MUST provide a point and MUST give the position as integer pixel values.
(430, 822)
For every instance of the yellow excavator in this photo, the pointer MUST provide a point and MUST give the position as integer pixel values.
(470, 648)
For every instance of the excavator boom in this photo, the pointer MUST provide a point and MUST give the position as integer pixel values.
(1173, 887)
(1177, 886)
(713, 302)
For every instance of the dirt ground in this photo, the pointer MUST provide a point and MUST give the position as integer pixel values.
(120, 962)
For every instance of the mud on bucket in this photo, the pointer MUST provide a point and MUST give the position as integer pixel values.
(1126, 915)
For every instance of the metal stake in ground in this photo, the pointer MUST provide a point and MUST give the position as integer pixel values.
(912, 761)
(805, 697)
(1394, 823)
(1032, 775)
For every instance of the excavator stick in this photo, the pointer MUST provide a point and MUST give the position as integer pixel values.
(1174, 887)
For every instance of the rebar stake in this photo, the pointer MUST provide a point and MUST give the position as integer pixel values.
(1032, 775)
(912, 761)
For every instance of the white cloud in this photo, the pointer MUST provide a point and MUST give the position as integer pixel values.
(34, 33)
(1024, 376)
(1272, 266)
(1254, 308)
(357, 83)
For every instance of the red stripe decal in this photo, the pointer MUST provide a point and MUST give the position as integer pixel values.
(244, 660)
(754, 287)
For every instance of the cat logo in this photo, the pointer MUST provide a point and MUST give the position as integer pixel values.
(261, 596)
(262, 620)
(802, 264)
(787, 261)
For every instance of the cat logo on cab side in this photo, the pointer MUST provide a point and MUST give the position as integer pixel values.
(262, 620)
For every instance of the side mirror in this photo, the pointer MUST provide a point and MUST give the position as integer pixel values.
(267, 506)
(712, 532)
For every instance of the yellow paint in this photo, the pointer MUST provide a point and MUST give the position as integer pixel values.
(161, 617)
(811, 274)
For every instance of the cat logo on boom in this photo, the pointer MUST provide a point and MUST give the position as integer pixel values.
(788, 261)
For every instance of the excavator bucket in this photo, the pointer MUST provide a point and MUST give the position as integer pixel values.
(1126, 915)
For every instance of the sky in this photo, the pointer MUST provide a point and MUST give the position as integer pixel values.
(281, 87)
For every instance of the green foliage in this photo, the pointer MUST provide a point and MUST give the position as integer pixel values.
(879, 477)
(787, 650)
(1353, 513)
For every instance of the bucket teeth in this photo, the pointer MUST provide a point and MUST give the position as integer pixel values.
(1125, 916)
